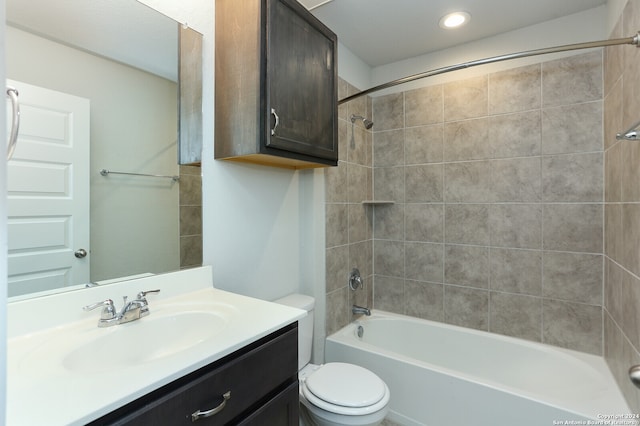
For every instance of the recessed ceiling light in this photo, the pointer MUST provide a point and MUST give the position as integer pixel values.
(454, 20)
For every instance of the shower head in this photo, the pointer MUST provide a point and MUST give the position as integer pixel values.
(366, 122)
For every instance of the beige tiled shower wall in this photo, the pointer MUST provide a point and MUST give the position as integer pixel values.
(349, 222)
(622, 207)
(190, 216)
(498, 217)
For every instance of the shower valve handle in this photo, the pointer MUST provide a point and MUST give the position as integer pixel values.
(355, 280)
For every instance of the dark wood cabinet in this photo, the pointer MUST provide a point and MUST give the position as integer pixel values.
(276, 85)
(281, 410)
(260, 382)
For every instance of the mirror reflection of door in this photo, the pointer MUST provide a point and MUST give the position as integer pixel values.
(48, 192)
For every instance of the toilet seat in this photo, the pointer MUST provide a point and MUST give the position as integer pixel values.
(345, 389)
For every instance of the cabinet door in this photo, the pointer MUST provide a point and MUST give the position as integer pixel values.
(301, 82)
(282, 410)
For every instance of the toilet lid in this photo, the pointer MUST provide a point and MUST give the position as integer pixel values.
(346, 385)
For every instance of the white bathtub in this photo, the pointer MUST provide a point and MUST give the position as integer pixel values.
(443, 375)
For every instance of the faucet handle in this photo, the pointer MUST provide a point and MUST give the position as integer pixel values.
(108, 312)
(142, 294)
(144, 309)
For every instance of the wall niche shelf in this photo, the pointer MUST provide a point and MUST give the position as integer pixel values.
(378, 202)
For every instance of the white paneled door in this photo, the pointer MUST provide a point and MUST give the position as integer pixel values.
(48, 192)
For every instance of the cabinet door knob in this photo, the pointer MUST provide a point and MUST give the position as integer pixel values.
(208, 413)
(275, 125)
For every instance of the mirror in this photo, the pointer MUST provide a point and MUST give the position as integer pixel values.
(116, 63)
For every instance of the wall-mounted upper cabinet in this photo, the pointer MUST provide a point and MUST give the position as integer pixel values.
(276, 99)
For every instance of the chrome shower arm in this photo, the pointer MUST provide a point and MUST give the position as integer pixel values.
(368, 124)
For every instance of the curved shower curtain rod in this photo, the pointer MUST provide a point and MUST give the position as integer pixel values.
(634, 40)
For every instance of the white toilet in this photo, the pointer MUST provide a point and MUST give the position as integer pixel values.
(335, 393)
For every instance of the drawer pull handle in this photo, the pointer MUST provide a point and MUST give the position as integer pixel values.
(204, 414)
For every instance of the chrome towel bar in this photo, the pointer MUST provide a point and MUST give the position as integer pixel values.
(105, 172)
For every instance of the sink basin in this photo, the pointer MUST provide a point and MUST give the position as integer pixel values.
(146, 340)
(84, 348)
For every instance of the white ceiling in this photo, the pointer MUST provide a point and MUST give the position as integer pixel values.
(385, 31)
(123, 30)
(377, 31)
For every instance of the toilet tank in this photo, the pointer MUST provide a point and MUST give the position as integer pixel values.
(305, 325)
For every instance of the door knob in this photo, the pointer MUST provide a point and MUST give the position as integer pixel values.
(80, 253)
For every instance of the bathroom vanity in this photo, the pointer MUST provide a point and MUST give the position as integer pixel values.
(201, 354)
(254, 385)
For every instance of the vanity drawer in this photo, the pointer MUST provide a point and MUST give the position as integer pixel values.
(253, 376)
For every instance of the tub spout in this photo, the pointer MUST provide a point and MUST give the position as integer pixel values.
(357, 310)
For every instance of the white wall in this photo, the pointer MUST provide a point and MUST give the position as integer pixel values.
(252, 228)
(353, 69)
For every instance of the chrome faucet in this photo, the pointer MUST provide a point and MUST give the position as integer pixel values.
(357, 310)
(131, 311)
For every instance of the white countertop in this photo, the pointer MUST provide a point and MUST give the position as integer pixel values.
(40, 390)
